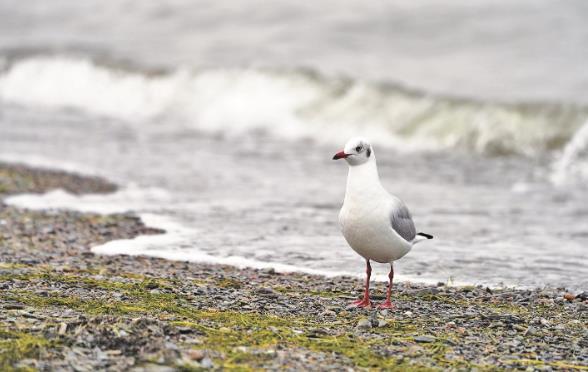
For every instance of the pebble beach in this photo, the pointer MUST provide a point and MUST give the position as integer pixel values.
(65, 308)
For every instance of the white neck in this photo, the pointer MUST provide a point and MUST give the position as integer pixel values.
(363, 179)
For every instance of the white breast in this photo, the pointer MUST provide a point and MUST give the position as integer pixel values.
(368, 231)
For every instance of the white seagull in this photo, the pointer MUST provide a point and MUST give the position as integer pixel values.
(377, 225)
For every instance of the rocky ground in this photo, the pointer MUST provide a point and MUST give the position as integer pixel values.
(64, 308)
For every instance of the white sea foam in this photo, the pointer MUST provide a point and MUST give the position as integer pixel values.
(288, 104)
(177, 243)
(130, 198)
(572, 164)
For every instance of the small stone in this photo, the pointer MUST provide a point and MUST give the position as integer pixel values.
(316, 333)
(328, 313)
(171, 346)
(569, 296)
(271, 353)
(13, 306)
(364, 323)
(382, 323)
(62, 329)
(29, 261)
(269, 270)
(408, 313)
(269, 292)
(531, 331)
(424, 339)
(196, 354)
(47, 230)
(206, 363)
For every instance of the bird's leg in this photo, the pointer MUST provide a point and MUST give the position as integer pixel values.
(365, 301)
(388, 304)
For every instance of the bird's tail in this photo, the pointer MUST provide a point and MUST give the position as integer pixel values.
(420, 237)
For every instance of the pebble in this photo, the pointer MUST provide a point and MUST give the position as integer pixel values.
(268, 292)
(569, 296)
(62, 328)
(424, 339)
(531, 331)
(364, 323)
(450, 325)
(206, 363)
(328, 313)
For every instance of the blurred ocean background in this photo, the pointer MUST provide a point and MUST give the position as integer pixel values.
(219, 120)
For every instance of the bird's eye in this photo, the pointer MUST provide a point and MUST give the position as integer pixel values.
(358, 149)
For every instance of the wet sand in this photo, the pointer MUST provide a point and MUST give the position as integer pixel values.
(64, 307)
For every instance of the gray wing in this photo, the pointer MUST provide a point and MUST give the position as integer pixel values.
(401, 222)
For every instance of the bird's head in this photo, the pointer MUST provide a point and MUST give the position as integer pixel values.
(356, 151)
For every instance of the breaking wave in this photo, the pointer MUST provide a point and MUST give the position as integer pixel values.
(290, 104)
(572, 164)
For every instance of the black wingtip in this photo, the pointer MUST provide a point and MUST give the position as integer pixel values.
(425, 235)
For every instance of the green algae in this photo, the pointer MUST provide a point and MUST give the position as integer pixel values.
(16, 346)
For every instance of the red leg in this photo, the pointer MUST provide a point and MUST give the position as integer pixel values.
(388, 304)
(365, 301)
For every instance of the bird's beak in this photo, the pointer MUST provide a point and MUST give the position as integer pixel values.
(340, 155)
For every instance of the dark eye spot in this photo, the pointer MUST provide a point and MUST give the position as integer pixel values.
(358, 149)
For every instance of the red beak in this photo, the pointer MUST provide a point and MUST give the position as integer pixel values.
(340, 155)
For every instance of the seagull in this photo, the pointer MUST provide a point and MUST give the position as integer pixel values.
(377, 225)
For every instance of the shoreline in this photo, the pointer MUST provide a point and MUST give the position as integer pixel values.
(65, 307)
(169, 228)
